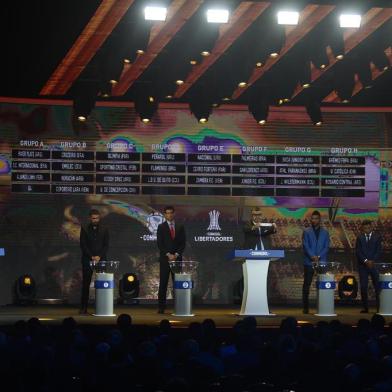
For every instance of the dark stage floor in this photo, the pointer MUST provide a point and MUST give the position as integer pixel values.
(147, 315)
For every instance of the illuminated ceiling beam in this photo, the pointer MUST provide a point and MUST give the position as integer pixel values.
(333, 97)
(179, 12)
(244, 15)
(371, 21)
(97, 30)
(310, 17)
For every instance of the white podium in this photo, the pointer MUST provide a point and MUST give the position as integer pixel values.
(326, 287)
(255, 264)
(104, 285)
(385, 282)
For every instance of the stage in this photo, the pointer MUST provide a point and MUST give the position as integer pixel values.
(224, 317)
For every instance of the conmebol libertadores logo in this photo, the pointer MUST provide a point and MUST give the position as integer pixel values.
(213, 230)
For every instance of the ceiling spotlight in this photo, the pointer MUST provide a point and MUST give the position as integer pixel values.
(84, 100)
(386, 68)
(322, 66)
(318, 123)
(345, 101)
(274, 54)
(259, 108)
(340, 56)
(350, 21)
(140, 51)
(193, 62)
(286, 100)
(146, 106)
(288, 17)
(215, 105)
(205, 53)
(242, 84)
(155, 13)
(200, 106)
(169, 96)
(179, 82)
(259, 64)
(306, 85)
(226, 99)
(314, 112)
(112, 81)
(217, 16)
(127, 61)
(105, 95)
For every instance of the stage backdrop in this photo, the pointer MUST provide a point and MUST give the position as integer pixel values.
(39, 226)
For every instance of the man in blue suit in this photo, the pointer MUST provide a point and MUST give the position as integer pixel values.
(368, 250)
(315, 242)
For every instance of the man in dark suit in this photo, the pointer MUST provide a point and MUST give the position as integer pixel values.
(368, 250)
(94, 242)
(315, 243)
(171, 242)
(256, 233)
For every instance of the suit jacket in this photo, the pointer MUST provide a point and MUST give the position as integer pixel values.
(168, 245)
(313, 246)
(370, 250)
(252, 237)
(94, 242)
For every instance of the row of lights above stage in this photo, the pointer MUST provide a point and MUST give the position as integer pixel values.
(221, 15)
(146, 102)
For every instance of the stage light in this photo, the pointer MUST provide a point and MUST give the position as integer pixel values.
(314, 112)
(226, 99)
(146, 106)
(84, 100)
(129, 288)
(322, 66)
(259, 64)
(217, 16)
(288, 17)
(340, 56)
(113, 81)
(155, 13)
(193, 62)
(24, 290)
(348, 287)
(140, 51)
(205, 53)
(306, 85)
(242, 84)
(350, 20)
(259, 108)
(169, 96)
(127, 61)
(200, 106)
(274, 54)
(179, 82)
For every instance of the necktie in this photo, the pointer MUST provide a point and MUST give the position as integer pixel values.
(172, 232)
(367, 238)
